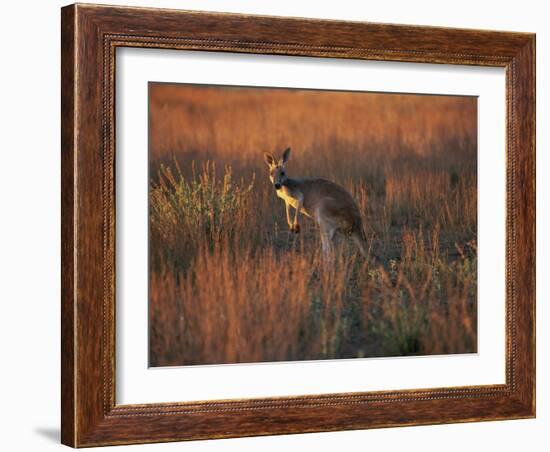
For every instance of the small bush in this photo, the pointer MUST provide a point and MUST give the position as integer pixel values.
(416, 308)
(206, 208)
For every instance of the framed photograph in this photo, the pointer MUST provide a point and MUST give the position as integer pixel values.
(281, 225)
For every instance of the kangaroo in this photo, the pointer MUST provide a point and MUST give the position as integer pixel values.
(327, 203)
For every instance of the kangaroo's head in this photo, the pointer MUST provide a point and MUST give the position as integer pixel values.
(277, 173)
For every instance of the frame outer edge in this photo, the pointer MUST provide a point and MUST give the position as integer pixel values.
(525, 61)
(534, 226)
(68, 242)
(86, 419)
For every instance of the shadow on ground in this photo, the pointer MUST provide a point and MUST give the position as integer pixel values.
(50, 433)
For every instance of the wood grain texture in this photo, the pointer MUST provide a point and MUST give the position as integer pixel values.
(90, 36)
(68, 310)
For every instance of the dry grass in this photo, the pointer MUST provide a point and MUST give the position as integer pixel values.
(229, 283)
(246, 307)
(204, 209)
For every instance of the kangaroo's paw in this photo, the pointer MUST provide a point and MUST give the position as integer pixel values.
(295, 228)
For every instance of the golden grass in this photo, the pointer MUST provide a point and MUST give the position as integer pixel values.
(228, 281)
(247, 307)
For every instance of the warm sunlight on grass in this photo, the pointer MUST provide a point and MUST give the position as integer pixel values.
(229, 282)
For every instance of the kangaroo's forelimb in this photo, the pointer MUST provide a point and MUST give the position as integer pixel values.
(299, 204)
(288, 214)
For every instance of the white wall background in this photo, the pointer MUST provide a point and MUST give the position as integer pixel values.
(30, 224)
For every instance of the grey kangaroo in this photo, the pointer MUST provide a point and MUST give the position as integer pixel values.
(327, 203)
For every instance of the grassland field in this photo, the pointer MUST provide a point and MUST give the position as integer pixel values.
(229, 283)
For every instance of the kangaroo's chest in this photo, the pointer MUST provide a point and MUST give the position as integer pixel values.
(289, 197)
(286, 195)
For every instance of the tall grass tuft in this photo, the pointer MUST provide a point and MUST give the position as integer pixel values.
(203, 209)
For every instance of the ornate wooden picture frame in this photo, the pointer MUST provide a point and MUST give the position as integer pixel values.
(90, 37)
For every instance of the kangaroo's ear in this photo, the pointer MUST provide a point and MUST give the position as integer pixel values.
(286, 155)
(269, 159)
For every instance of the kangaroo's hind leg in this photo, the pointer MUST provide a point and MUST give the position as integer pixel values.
(361, 241)
(327, 230)
(327, 235)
